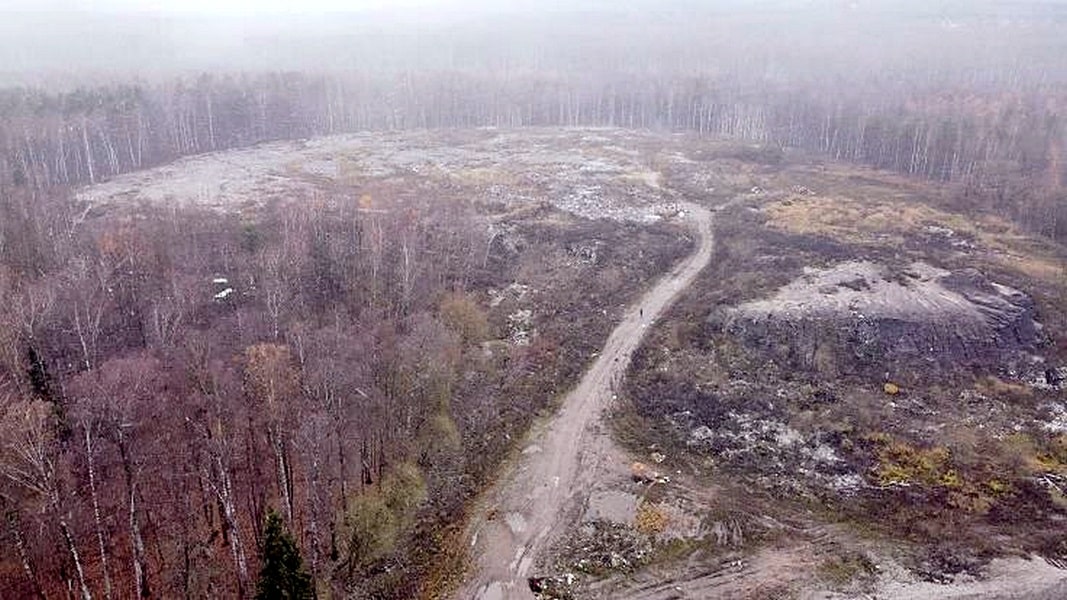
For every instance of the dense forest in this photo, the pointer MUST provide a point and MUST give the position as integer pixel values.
(170, 377)
(1002, 147)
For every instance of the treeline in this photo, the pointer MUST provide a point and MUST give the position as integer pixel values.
(167, 380)
(1003, 147)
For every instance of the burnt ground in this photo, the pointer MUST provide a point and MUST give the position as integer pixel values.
(873, 385)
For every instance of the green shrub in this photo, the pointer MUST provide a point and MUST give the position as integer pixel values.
(463, 316)
(376, 520)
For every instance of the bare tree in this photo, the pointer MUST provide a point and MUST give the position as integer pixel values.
(272, 382)
(29, 460)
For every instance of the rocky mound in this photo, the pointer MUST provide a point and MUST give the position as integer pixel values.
(872, 317)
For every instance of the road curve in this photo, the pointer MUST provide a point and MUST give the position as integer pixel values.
(533, 501)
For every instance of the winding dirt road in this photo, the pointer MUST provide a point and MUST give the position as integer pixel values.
(541, 494)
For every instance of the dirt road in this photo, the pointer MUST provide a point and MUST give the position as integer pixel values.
(536, 499)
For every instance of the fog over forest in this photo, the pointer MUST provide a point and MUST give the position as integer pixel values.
(891, 84)
(783, 40)
(553, 299)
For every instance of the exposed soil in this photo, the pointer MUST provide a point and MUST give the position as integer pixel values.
(894, 318)
(779, 461)
(869, 372)
(532, 504)
(580, 171)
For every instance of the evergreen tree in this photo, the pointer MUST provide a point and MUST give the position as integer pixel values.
(282, 576)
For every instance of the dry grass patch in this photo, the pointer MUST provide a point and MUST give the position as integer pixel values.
(651, 519)
(646, 178)
(1032, 257)
(998, 388)
(850, 220)
(847, 570)
(482, 176)
(349, 171)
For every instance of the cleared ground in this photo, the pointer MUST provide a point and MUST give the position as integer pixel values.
(752, 494)
(531, 506)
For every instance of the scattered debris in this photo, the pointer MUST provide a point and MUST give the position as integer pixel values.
(598, 548)
(701, 435)
(520, 327)
(558, 587)
(642, 473)
(584, 254)
(945, 565)
(768, 449)
(514, 292)
(947, 236)
(1050, 379)
(1058, 421)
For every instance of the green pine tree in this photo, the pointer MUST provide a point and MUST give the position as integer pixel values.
(282, 576)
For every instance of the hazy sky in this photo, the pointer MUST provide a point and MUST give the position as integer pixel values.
(243, 6)
(65, 43)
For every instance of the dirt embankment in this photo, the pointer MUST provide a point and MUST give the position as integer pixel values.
(891, 319)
